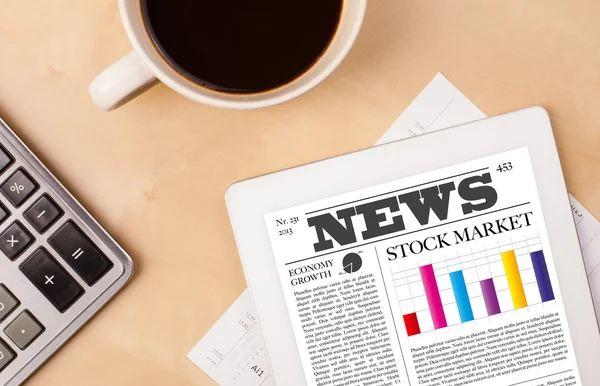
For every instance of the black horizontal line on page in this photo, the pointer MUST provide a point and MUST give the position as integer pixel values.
(409, 233)
(396, 191)
(545, 376)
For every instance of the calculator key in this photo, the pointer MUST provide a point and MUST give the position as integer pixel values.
(6, 355)
(19, 187)
(51, 279)
(43, 214)
(80, 253)
(14, 240)
(4, 213)
(5, 160)
(8, 302)
(24, 330)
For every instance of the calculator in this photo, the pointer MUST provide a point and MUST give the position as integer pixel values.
(58, 266)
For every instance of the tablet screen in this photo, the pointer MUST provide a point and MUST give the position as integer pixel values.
(443, 278)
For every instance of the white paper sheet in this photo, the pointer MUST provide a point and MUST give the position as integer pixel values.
(588, 229)
(439, 105)
(233, 351)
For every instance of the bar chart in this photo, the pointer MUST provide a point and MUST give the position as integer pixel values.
(480, 283)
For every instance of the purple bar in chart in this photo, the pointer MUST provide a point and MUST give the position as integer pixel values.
(432, 293)
(542, 276)
(489, 296)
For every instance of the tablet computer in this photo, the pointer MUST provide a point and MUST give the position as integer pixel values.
(447, 259)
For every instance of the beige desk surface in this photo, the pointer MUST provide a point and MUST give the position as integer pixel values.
(154, 172)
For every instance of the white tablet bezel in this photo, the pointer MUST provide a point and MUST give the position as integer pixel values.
(248, 201)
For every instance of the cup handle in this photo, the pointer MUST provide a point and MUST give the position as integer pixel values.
(121, 82)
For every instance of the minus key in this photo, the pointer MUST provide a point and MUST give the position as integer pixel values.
(43, 213)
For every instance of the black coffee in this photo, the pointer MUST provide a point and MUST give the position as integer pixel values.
(241, 46)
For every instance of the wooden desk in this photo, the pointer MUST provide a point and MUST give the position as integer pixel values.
(154, 172)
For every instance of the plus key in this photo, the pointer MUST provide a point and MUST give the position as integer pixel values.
(51, 279)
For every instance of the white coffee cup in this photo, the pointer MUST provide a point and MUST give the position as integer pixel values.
(137, 71)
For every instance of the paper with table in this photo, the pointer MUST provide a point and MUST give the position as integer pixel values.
(233, 351)
(588, 229)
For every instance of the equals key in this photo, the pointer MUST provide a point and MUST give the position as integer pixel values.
(80, 253)
(77, 254)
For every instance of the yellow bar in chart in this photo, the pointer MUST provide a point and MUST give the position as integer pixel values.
(515, 284)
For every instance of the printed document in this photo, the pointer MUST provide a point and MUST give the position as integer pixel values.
(443, 278)
(233, 351)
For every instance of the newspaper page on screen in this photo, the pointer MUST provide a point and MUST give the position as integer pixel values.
(444, 278)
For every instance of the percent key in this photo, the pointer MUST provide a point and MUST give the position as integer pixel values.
(19, 187)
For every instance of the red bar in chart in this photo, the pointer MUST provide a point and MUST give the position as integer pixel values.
(432, 293)
(412, 324)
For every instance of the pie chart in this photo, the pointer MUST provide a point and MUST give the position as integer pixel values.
(352, 262)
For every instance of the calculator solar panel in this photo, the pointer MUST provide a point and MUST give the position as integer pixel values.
(58, 266)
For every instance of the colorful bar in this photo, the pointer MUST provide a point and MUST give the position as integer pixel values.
(412, 324)
(515, 284)
(489, 296)
(433, 297)
(462, 296)
(542, 276)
